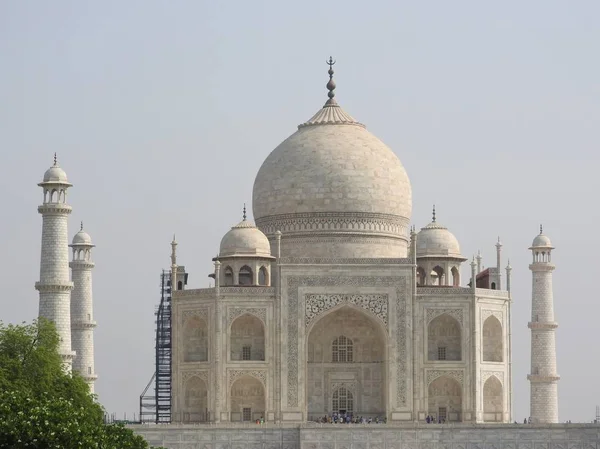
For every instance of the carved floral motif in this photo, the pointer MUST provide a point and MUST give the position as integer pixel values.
(485, 314)
(186, 375)
(454, 313)
(202, 313)
(316, 304)
(258, 312)
(235, 374)
(457, 375)
(485, 375)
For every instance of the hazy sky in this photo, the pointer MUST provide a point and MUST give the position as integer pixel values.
(162, 112)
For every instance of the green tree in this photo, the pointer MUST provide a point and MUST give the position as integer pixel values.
(43, 407)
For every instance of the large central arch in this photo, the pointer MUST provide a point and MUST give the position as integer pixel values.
(346, 365)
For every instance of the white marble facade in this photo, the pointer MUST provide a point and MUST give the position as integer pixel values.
(332, 304)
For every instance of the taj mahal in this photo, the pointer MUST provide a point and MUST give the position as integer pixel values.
(329, 302)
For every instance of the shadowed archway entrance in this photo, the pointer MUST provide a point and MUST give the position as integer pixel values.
(346, 365)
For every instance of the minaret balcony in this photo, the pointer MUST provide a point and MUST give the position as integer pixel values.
(82, 325)
(543, 378)
(55, 208)
(542, 325)
(55, 286)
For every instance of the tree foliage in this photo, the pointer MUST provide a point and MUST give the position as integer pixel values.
(43, 407)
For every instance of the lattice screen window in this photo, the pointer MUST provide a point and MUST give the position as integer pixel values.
(441, 353)
(341, 350)
(247, 353)
(343, 400)
(247, 414)
(442, 414)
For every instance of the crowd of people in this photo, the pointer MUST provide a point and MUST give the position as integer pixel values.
(348, 418)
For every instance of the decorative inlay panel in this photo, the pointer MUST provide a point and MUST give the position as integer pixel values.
(247, 291)
(337, 261)
(316, 304)
(485, 375)
(186, 375)
(457, 375)
(367, 223)
(402, 290)
(485, 314)
(443, 291)
(259, 312)
(348, 385)
(235, 374)
(454, 313)
(202, 313)
(495, 293)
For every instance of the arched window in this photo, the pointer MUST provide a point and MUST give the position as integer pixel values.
(247, 338)
(341, 350)
(179, 285)
(263, 276)
(437, 276)
(195, 340)
(493, 403)
(493, 286)
(245, 275)
(445, 399)
(492, 340)
(444, 338)
(421, 277)
(455, 277)
(342, 401)
(228, 278)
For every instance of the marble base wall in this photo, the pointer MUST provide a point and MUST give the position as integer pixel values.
(374, 436)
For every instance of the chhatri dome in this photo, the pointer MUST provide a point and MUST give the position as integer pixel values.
(435, 240)
(82, 238)
(55, 174)
(541, 240)
(334, 190)
(244, 239)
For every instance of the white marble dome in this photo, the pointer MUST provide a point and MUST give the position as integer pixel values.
(435, 240)
(82, 238)
(332, 167)
(55, 174)
(334, 190)
(245, 239)
(541, 241)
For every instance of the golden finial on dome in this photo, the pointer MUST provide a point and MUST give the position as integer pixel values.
(331, 83)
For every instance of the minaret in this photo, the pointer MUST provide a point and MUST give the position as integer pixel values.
(82, 313)
(498, 265)
(54, 285)
(543, 377)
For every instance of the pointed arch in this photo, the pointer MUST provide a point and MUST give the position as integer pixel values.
(247, 399)
(444, 398)
(493, 400)
(247, 338)
(444, 340)
(455, 277)
(328, 342)
(263, 276)
(342, 401)
(196, 400)
(492, 340)
(421, 277)
(195, 340)
(245, 276)
(438, 276)
(228, 276)
(341, 350)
